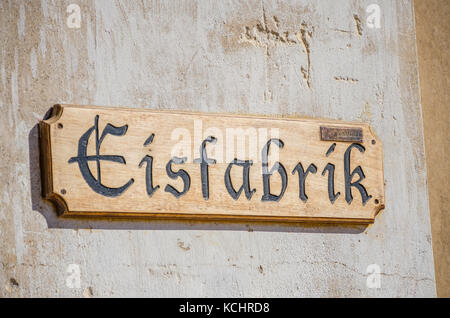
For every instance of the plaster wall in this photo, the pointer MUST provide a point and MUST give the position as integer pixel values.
(301, 58)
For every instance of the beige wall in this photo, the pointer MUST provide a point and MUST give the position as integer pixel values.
(198, 56)
(433, 34)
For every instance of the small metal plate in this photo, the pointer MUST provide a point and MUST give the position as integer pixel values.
(328, 133)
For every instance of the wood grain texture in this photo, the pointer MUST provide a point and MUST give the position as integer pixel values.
(238, 136)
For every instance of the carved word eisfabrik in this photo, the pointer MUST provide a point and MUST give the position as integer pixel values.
(204, 162)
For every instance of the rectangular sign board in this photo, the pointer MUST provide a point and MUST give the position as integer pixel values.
(99, 161)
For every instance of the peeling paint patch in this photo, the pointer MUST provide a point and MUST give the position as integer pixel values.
(303, 36)
(182, 246)
(358, 24)
(365, 114)
(88, 292)
(346, 79)
(266, 36)
(11, 285)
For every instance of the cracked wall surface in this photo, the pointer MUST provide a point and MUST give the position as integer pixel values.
(296, 58)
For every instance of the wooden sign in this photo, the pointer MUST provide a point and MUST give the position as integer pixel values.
(99, 161)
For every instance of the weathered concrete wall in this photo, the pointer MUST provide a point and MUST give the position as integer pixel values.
(227, 56)
(433, 34)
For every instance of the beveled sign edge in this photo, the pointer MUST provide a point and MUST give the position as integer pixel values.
(45, 161)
